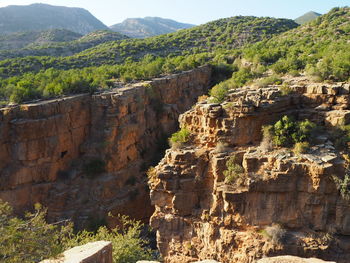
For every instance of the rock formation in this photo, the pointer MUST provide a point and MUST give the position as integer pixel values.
(83, 156)
(283, 203)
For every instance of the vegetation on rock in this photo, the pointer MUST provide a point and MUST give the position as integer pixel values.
(180, 137)
(32, 239)
(234, 173)
(287, 133)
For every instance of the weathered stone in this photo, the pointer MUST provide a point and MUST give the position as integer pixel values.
(200, 214)
(292, 259)
(96, 252)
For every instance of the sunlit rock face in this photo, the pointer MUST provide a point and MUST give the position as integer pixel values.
(86, 155)
(282, 203)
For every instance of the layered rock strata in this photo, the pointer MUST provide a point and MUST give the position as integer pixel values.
(283, 203)
(85, 155)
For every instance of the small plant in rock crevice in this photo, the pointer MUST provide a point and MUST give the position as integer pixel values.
(301, 147)
(179, 138)
(276, 233)
(343, 185)
(285, 90)
(234, 173)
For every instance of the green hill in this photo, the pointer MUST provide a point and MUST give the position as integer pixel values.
(319, 49)
(309, 16)
(148, 27)
(33, 38)
(38, 17)
(223, 34)
(46, 44)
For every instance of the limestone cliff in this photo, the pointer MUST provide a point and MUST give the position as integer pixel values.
(284, 203)
(84, 156)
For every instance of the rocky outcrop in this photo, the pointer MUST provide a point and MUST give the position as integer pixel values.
(83, 156)
(95, 252)
(282, 203)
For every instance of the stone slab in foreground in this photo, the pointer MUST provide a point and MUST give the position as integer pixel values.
(96, 252)
(292, 259)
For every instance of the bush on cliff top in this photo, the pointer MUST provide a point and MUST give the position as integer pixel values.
(288, 133)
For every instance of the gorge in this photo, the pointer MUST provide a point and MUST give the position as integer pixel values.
(86, 155)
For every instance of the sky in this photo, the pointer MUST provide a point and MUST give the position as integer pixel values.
(190, 11)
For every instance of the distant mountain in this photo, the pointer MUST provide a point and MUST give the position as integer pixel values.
(309, 16)
(37, 17)
(148, 27)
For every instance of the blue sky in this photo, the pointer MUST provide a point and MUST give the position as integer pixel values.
(191, 11)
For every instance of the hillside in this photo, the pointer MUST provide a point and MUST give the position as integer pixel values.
(309, 16)
(43, 44)
(220, 35)
(148, 27)
(37, 17)
(319, 49)
(32, 38)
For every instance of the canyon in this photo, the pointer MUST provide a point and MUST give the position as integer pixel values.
(83, 156)
(282, 203)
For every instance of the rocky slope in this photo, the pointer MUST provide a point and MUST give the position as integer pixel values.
(42, 17)
(282, 203)
(148, 27)
(84, 156)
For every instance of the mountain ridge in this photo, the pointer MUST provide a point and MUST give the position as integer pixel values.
(148, 26)
(37, 17)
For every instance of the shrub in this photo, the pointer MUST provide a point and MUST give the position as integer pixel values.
(151, 173)
(285, 131)
(94, 167)
(274, 79)
(285, 90)
(221, 147)
(234, 172)
(288, 132)
(301, 147)
(275, 233)
(30, 239)
(202, 98)
(126, 241)
(218, 92)
(180, 137)
(341, 136)
(267, 140)
(343, 185)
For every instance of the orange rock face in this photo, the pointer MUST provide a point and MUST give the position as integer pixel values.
(84, 156)
(282, 203)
